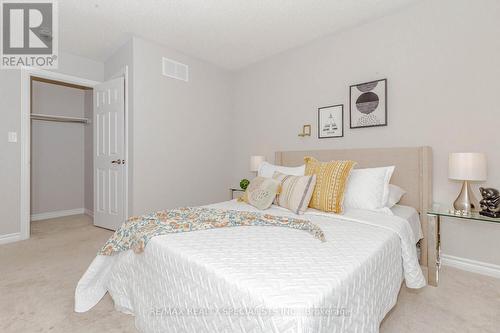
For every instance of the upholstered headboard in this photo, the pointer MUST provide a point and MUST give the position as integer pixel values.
(413, 172)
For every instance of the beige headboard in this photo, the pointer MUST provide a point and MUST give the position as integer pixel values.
(413, 172)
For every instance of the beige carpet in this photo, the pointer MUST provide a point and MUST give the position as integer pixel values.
(38, 278)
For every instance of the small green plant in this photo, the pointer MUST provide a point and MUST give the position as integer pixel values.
(244, 184)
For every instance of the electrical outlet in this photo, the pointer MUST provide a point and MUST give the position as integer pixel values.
(12, 137)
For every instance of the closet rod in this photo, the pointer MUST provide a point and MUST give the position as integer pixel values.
(39, 116)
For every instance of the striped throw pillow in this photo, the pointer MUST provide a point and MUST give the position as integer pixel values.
(331, 181)
(296, 191)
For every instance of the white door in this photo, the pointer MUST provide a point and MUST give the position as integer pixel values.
(109, 154)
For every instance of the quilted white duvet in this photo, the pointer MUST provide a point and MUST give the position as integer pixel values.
(262, 279)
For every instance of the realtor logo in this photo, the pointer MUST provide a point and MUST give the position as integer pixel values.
(29, 33)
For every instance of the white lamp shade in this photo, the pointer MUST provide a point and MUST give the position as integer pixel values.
(467, 166)
(255, 162)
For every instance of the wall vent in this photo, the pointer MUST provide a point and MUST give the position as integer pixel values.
(175, 70)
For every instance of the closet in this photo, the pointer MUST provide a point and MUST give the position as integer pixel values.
(61, 150)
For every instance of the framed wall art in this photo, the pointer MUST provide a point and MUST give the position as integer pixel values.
(368, 104)
(331, 121)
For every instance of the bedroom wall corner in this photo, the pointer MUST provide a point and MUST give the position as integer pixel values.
(181, 146)
(433, 99)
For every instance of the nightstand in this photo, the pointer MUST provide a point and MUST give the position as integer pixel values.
(236, 192)
(434, 238)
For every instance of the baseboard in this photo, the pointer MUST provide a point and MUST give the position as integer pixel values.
(471, 265)
(60, 213)
(89, 212)
(9, 238)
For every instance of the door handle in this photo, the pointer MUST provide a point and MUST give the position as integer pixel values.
(118, 161)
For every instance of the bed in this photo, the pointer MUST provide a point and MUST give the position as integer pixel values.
(265, 279)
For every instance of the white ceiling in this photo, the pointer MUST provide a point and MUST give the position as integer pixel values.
(228, 33)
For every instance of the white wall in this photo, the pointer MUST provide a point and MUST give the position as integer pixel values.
(81, 67)
(10, 153)
(182, 138)
(57, 150)
(442, 65)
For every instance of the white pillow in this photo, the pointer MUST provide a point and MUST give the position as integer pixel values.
(369, 189)
(395, 195)
(267, 170)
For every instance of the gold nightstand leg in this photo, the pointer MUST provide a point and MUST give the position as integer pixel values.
(433, 248)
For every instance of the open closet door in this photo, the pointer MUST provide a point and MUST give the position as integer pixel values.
(109, 153)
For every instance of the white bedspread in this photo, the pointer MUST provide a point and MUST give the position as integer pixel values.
(262, 279)
(411, 215)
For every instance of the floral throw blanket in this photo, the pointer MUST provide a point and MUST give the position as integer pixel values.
(136, 232)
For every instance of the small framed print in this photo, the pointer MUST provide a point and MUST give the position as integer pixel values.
(368, 104)
(331, 121)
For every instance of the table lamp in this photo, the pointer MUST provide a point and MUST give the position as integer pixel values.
(255, 162)
(467, 167)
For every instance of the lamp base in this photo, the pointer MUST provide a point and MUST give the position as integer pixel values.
(466, 200)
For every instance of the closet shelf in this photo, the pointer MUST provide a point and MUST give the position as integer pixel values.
(46, 117)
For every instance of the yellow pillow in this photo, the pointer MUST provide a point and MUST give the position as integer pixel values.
(331, 181)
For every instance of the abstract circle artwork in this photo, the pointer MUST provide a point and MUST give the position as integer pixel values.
(367, 102)
(368, 106)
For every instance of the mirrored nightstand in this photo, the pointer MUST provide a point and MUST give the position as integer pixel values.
(236, 192)
(434, 238)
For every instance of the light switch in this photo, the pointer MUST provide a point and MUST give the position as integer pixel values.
(12, 136)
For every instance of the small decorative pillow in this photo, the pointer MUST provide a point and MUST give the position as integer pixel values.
(296, 191)
(395, 195)
(331, 180)
(261, 192)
